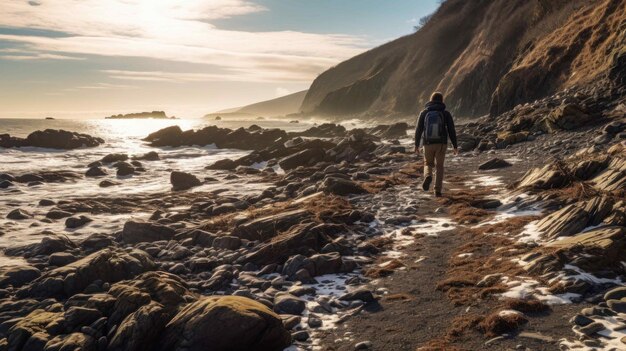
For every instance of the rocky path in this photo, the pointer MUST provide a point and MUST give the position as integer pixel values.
(413, 311)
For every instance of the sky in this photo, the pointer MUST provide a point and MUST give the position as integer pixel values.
(93, 58)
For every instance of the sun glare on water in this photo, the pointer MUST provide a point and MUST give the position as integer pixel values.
(143, 127)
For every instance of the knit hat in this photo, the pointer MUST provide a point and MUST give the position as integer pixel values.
(436, 97)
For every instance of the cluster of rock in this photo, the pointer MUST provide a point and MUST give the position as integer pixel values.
(121, 163)
(52, 139)
(231, 272)
(252, 138)
(139, 115)
(587, 324)
(581, 110)
(589, 233)
(37, 178)
(257, 138)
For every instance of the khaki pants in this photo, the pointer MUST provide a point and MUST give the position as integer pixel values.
(434, 156)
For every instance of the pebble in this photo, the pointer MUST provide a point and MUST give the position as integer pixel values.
(363, 345)
(301, 335)
(592, 328)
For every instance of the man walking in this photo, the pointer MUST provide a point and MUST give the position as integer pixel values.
(435, 125)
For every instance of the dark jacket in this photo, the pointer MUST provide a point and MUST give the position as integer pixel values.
(448, 125)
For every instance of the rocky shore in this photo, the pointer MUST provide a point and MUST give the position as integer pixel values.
(52, 139)
(337, 239)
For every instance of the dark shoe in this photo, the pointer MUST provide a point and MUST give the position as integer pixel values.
(426, 183)
(438, 194)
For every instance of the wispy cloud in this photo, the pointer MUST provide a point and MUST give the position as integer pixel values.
(175, 31)
(104, 86)
(17, 54)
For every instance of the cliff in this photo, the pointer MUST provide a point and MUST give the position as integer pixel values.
(486, 56)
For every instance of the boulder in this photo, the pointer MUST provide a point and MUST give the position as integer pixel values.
(586, 170)
(227, 242)
(149, 156)
(18, 276)
(601, 249)
(51, 139)
(547, 177)
(494, 163)
(613, 177)
(56, 213)
(615, 293)
(361, 294)
(197, 237)
(47, 246)
(573, 218)
(74, 341)
(75, 222)
(18, 214)
(124, 169)
(60, 259)
(568, 117)
(169, 136)
(304, 239)
(95, 172)
(228, 323)
(136, 232)
(303, 158)
(76, 316)
(395, 131)
(467, 142)
(167, 289)
(285, 303)
(183, 181)
(39, 323)
(108, 265)
(107, 183)
(509, 138)
(141, 329)
(342, 187)
(264, 228)
(325, 130)
(331, 263)
(96, 241)
(111, 158)
(220, 137)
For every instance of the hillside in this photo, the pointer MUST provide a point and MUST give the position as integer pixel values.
(278, 107)
(486, 56)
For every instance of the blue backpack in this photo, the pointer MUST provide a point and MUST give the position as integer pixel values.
(434, 131)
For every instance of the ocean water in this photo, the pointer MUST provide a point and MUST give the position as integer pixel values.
(121, 136)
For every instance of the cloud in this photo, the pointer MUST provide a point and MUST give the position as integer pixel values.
(18, 54)
(103, 86)
(38, 56)
(176, 31)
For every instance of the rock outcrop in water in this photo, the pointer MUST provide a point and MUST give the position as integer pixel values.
(52, 139)
(140, 115)
(220, 137)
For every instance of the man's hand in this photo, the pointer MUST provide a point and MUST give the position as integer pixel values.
(417, 150)
(456, 151)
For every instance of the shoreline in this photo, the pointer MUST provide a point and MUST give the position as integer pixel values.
(335, 247)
